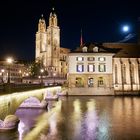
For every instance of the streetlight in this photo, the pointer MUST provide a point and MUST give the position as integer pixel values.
(20, 75)
(54, 74)
(41, 71)
(9, 61)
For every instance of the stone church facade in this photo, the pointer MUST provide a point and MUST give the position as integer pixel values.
(126, 67)
(48, 50)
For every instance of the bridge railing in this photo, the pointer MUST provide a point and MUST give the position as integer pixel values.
(12, 87)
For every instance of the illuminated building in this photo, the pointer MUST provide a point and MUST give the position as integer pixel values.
(48, 49)
(16, 72)
(104, 69)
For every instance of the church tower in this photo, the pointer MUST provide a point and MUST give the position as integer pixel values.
(48, 44)
(41, 41)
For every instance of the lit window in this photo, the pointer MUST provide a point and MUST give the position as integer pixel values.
(90, 82)
(80, 58)
(90, 58)
(80, 68)
(101, 58)
(102, 67)
(79, 82)
(91, 68)
(100, 82)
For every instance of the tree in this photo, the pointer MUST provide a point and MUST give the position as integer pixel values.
(36, 67)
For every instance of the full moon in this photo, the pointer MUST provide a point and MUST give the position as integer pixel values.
(125, 28)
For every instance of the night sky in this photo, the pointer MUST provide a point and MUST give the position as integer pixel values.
(100, 20)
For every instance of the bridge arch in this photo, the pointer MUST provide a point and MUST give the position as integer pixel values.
(9, 103)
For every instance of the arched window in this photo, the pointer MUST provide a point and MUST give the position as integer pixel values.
(116, 74)
(133, 73)
(124, 73)
(100, 82)
(79, 82)
(90, 82)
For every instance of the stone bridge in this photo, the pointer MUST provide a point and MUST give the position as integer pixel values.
(10, 103)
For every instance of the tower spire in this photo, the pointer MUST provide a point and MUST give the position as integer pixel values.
(53, 18)
(81, 39)
(42, 16)
(42, 24)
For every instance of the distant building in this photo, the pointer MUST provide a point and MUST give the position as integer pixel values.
(48, 48)
(15, 71)
(104, 69)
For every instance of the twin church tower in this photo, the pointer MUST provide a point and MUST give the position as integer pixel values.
(48, 50)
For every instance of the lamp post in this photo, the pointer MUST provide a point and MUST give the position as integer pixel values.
(41, 71)
(9, 61)
(20, 76)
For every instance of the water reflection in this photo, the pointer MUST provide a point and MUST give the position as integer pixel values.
(27, 120)
(84, 118)
(91, 122)
(76, 119)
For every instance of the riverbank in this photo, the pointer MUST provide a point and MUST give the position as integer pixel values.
(11, 88)
(82, 91)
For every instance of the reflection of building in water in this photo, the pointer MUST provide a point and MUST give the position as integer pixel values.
(105, 68)
(128, 108)
(91, 121)
(76, 119)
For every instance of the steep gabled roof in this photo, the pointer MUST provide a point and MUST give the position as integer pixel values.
(101, 48)
(126, 50)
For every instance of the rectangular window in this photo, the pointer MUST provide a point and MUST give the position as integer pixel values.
(91, 67)
(91, 59)
(102, 68)
(80, 58)
(80, 68)
(101, 59)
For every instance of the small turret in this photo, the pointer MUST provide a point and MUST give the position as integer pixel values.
(53, 18)
(42, 24)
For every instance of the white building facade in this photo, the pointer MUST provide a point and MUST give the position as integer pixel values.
(99, 71)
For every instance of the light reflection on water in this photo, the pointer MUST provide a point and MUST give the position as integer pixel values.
(85, 118)
(27, 120)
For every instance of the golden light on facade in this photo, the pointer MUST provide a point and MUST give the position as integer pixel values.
(9, 60)
(41, 70)
(2, 70)
(19, 71)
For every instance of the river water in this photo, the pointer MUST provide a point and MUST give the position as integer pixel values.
(80, 118)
